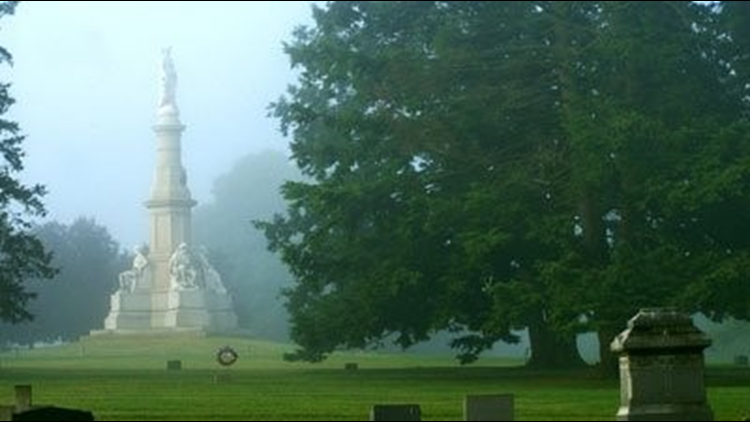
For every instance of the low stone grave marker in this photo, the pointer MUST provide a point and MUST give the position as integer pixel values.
(488, 407)
(395, 412)
(6, 413)
(23, 397)
(53, 413)
(174, 365)
(741, 360)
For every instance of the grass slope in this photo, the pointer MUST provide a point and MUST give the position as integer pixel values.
(124, 378)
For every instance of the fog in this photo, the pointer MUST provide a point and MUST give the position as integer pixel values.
(85, 78)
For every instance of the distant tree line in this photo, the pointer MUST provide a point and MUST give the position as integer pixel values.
(76, 300)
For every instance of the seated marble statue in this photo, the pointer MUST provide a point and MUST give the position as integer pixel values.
(182, 269)
(137, 276)
(127, 281)
(211, 277)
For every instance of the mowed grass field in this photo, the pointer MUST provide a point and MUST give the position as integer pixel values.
(125, 378)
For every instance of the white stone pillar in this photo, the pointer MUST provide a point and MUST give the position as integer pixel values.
(170, 202)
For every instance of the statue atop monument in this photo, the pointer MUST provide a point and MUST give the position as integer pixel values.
(168, 79)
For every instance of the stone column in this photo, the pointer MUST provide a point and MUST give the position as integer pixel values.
(170, 202)
(662, 368)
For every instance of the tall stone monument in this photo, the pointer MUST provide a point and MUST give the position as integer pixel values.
(171, 286)
(662, 368)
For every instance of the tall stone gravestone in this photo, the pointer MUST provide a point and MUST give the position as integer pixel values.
(662, 368)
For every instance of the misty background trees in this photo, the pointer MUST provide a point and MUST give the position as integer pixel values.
(89, 260)
(22, 255)
(481, 167)
(254, 276)
(76, 300)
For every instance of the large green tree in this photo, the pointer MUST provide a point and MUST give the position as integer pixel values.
(719, 172)
(392, 119)
(643, 100)
(483, 166)
(22, 256)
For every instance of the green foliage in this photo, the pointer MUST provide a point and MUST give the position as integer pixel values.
(22, 256)
(89, 261)
(488, 166)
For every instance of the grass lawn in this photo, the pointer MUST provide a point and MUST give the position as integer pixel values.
(125, 378)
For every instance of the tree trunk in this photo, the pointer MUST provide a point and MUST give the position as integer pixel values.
(551, 350)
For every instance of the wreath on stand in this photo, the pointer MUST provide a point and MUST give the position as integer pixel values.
(226, 356)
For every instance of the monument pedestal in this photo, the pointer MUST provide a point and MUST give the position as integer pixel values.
(205, 309)
(178, 310)
(129, 311)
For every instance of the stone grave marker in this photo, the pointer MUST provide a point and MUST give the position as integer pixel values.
(395, 412)
(6, 413)
(23, 397)
(174, 365)
(488, 407)
(662, 368)
(53, 413)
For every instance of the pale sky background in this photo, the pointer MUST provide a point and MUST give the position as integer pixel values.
(85, 78)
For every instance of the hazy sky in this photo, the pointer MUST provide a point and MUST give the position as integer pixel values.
(85, 78)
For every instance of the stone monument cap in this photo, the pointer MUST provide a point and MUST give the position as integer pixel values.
(660, 328)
